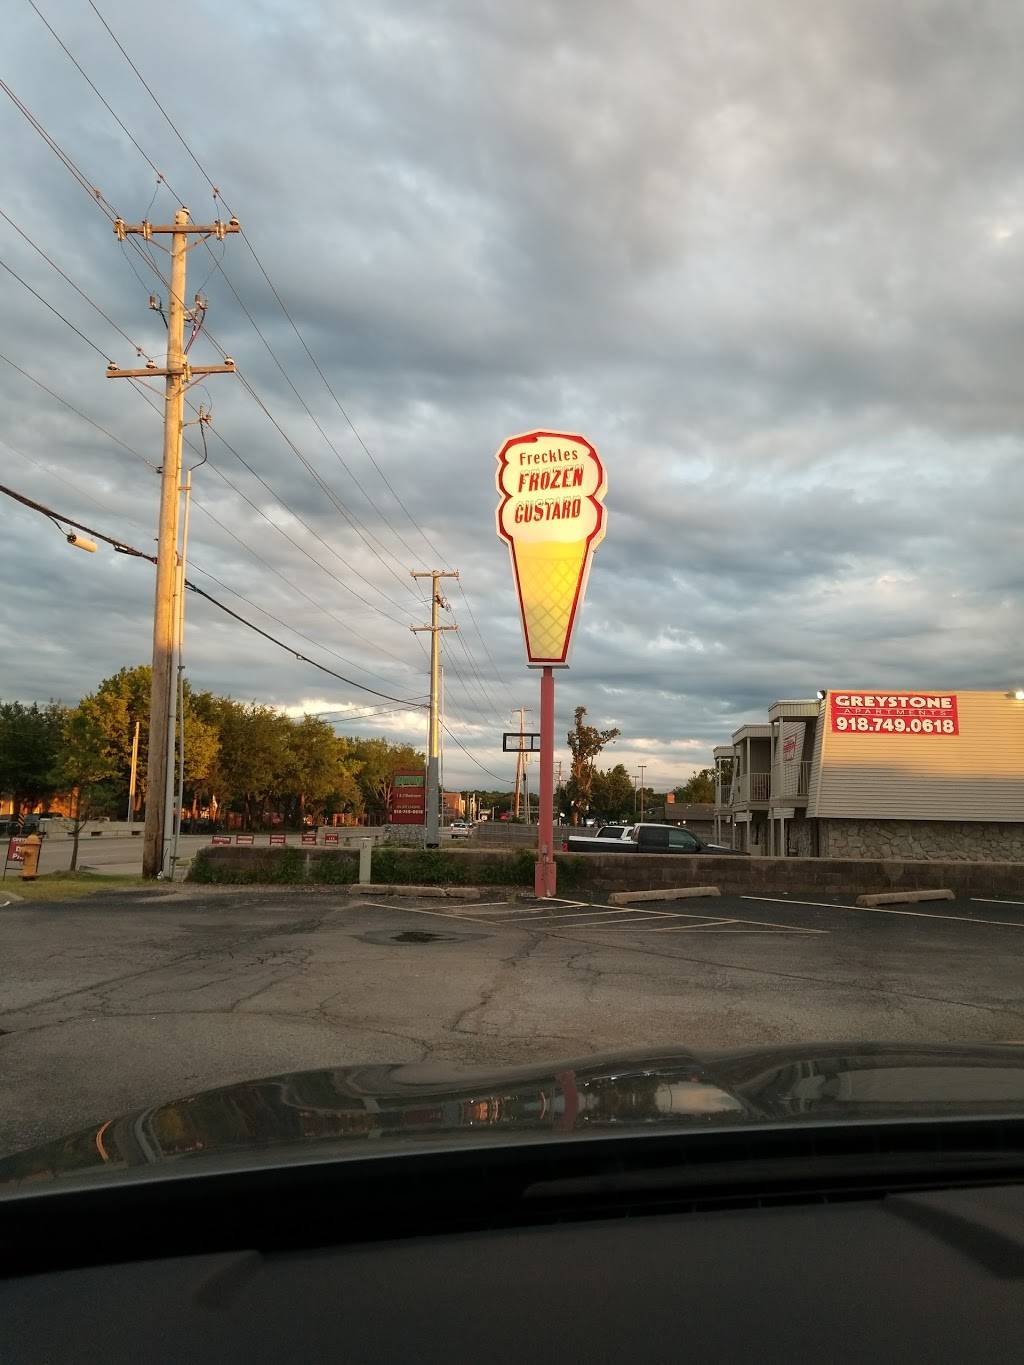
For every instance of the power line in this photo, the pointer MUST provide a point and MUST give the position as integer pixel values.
(208, 513)
(161, 178)
(294, 326)
(356, 525)
(198, 568)
(77, 288)
(504, 780)
(155, 403)
(217, 194)
(352, 520)
(77, 411)
(124, 548)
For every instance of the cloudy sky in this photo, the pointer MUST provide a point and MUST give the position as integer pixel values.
(769, 259)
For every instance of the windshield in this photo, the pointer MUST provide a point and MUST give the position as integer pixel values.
(356, 370)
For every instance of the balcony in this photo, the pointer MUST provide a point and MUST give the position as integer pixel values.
(750, 787)
(796, 779)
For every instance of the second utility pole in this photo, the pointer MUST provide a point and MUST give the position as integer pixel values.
(178, 375)
(433, 794)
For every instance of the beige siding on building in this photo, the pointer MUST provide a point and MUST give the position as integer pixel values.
(793, 731)
(977, 774)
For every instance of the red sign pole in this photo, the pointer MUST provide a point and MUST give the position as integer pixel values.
(545, 875)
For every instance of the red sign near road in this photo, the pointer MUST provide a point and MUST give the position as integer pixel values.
(16, 850)
(904, 713)
(408, 799)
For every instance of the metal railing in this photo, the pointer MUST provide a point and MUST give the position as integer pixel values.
(748, 787)
(796, 779)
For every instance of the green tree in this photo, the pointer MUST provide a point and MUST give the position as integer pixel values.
(379, 761)
(253, 759)
(611, 796)
(30, 744)
(585, 744)
(86, 768)
(113, 709)
(700, 788)
(321, 772)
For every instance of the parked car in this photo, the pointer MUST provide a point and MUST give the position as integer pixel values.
(646, 838)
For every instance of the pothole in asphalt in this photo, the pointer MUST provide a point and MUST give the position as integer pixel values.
(416, 937)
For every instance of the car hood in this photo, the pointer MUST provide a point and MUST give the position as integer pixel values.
(360, 1110)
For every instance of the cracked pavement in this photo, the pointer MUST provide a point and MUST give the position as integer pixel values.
(129, 999)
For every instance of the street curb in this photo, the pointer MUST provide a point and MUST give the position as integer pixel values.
(462, 893)
(904, 897)
(679, 893)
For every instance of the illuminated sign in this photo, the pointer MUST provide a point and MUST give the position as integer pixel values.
(903, 713)
(552, 517)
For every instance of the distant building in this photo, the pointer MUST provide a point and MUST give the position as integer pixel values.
(878, 775)
(452, 805)
(696, 816)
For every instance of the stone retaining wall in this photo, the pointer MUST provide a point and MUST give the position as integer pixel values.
(603, 872)
(950, 840)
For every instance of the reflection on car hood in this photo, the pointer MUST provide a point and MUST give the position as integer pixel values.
(362, 1109)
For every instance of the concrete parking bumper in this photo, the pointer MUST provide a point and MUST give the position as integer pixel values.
(904, 897)
(678, 893)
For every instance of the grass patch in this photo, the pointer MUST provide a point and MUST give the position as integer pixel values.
(68, 886)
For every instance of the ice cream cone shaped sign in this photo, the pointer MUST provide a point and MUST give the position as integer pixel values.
(552, 515)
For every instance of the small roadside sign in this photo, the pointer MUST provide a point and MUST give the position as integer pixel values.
(15, 852)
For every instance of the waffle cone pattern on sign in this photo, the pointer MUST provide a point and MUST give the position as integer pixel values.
(551, 515)
(549, 572)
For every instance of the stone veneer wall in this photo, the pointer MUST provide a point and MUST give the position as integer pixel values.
(950, 840)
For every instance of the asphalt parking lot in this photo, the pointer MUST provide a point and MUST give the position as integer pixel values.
(129, 999)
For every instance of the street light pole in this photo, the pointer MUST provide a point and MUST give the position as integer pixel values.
(643, 768)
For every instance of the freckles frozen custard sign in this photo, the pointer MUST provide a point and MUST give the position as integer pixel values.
(552, 516)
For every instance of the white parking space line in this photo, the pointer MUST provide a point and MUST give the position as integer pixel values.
(991, 900)
(543, 917)
(613, 918)
(600, 923)
(689, 928)
(881, 910)
(419, 910)
(743, 927)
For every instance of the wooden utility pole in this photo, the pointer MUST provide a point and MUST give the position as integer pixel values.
(432, 837)
(131, 781)
(519, 711)
(178, 374)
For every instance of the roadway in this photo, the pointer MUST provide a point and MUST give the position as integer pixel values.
(131, 998)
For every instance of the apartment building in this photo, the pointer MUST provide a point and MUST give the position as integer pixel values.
(894, 774)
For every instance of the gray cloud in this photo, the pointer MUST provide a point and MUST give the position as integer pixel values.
(768, 258)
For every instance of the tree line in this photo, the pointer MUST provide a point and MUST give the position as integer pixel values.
(240, 757)
(610, 793)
